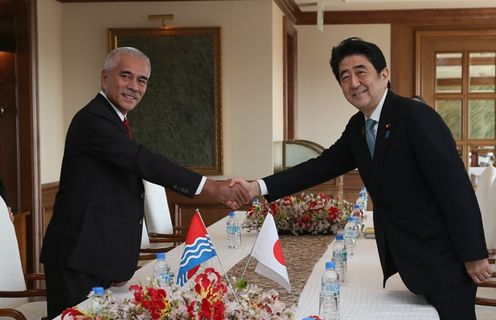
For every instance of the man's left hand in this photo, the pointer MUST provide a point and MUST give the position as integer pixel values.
(479, 270)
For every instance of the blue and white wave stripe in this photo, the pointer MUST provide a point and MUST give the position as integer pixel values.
(194, 254)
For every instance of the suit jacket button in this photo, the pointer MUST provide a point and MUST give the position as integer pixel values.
(140, 221)
(142, 195)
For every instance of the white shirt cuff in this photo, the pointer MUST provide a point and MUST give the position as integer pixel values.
(200, 186)
(263, 187)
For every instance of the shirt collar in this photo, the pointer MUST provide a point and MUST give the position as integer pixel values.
(376, 114)
(121, 116)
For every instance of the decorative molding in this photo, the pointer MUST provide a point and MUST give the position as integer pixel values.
(418, 17)
(290, 9)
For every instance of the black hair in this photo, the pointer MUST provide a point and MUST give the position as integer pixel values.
(357, 46)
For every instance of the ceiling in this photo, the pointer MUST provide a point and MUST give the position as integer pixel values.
(351, 5)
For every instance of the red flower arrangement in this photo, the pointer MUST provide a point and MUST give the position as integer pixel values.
(209, 298)
(303, 214)
(154, 300)
(211, 290)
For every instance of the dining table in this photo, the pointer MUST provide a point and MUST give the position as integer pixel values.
(362, 294)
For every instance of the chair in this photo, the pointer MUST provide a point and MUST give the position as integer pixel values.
(148, 250)
(486, 195)
(484, 183)
(14, 302)
(157, 214)
(158, 234)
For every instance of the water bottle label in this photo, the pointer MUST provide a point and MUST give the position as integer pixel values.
(339, 255)
(232, 229)
(331, 288)
(166, 277)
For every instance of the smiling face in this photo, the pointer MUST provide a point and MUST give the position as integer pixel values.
(125, 84)
(362, 85)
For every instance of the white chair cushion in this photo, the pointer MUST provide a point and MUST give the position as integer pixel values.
(157, 214)
(11, 274)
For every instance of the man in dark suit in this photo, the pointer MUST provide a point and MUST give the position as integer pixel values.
(427, 221)
(94, 236)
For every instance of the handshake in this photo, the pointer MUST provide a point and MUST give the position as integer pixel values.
(233, 193)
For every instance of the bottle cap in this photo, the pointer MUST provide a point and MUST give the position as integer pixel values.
(97, 290)
(330, 265)
(350, 219)
(356, 206)
(161, 256)
(232, 213)
(339, 236)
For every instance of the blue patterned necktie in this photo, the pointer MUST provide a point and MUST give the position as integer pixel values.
(370, 135)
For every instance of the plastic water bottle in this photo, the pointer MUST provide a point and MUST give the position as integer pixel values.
(340, 256)
(357, 214)
(363, 198)
(329, 293)
(233, 231)
(161, 271)
(350, 236)
(95, 300)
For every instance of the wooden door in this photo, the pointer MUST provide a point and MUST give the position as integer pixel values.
(8, 113)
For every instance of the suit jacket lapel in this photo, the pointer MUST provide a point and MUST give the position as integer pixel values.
(383, 138)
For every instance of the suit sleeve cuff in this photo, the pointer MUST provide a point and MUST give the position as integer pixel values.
(200, 186)
(263, 187)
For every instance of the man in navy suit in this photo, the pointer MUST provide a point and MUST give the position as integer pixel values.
(94, 236)
(426, 217)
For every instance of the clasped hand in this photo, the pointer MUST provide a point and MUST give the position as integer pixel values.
(234, 192)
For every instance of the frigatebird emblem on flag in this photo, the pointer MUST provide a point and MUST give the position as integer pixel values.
(198, 248)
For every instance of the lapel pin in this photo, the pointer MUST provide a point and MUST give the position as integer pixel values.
(388, 130)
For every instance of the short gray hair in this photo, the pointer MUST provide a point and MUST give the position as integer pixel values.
(113, 57)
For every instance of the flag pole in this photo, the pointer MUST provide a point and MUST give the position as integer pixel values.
(252, 248)
(249, 259)
(228, 281)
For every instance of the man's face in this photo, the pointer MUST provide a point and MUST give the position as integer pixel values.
(125, 85)
(362, 86)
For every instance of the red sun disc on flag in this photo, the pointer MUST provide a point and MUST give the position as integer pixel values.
(278, 252)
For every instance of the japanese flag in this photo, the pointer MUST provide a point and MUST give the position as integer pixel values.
(268, 252)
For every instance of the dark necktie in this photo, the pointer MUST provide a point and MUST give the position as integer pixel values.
(125, 122)
(370, 135)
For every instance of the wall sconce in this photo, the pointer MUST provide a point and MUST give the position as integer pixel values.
(162, 17)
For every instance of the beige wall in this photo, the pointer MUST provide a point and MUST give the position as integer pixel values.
(322, 109)
(73, 44)
(277, 73)
(50, 89)
(247, 79)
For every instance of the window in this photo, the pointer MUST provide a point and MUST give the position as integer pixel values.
(457, 73)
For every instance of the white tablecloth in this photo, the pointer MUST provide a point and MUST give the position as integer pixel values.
(362, 295)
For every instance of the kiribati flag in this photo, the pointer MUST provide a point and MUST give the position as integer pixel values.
(198, 249)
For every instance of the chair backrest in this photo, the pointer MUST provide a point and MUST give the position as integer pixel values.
(157, 214)
(11, 274)
(488, 211)
(484, 182)
(145, 239)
